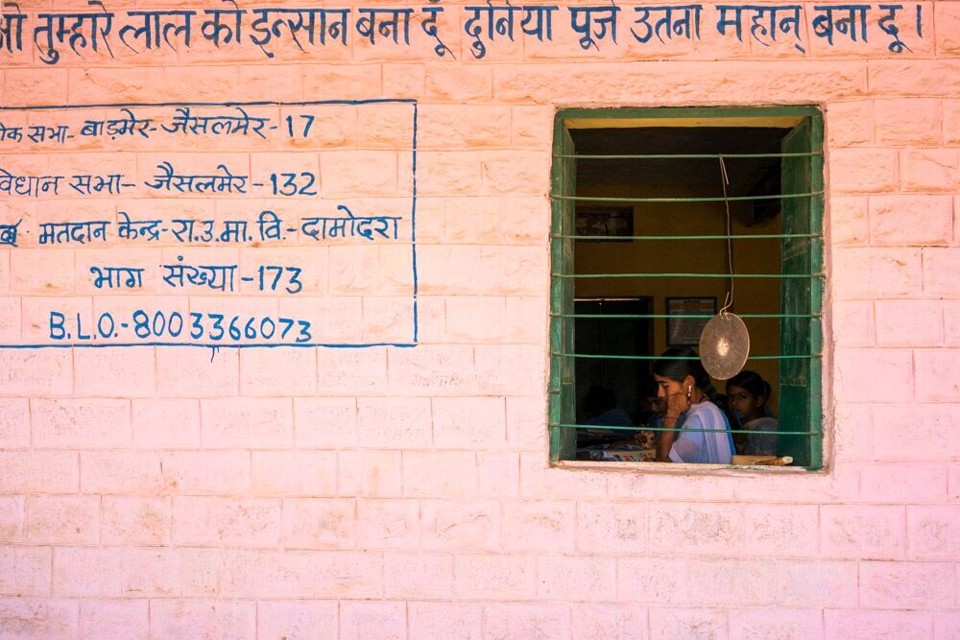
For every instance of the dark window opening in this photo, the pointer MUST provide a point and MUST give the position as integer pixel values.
(641, 258)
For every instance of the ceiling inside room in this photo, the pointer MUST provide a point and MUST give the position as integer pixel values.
(747, 176)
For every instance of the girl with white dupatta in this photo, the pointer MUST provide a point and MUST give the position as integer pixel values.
(695, 428)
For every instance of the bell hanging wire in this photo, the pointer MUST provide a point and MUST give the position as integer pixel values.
(725, 180)
(725, 341)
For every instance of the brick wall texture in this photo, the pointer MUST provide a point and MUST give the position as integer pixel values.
(393, 492)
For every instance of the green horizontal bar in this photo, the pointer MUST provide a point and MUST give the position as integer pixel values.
(763, 236)
(688, 156)
(610, 356)
(678, 316)
(641, 427)
(759, 113)
(778, 276)
(775, 196)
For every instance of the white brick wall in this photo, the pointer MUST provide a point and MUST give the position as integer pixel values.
(173, 492)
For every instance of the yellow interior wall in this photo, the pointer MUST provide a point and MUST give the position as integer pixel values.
(751, 295)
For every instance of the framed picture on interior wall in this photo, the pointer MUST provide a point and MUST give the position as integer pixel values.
(686, 318)
(604, 223)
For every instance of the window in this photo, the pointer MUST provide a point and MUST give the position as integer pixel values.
(640, 243)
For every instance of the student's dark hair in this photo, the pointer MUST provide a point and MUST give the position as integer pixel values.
(752, 382)
(677, 363)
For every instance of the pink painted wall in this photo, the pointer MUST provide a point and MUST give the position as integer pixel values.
(392, 492)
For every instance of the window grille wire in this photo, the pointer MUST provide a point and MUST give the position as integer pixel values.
(558, 235)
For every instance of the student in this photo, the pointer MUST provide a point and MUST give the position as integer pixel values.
(601, 408)
(703, 434)
(749, 394)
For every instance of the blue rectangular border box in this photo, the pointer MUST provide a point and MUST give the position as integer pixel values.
(220, 345)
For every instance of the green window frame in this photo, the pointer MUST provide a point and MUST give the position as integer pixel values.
(797, 358)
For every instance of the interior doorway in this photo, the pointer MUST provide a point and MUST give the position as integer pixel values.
(612, 328)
